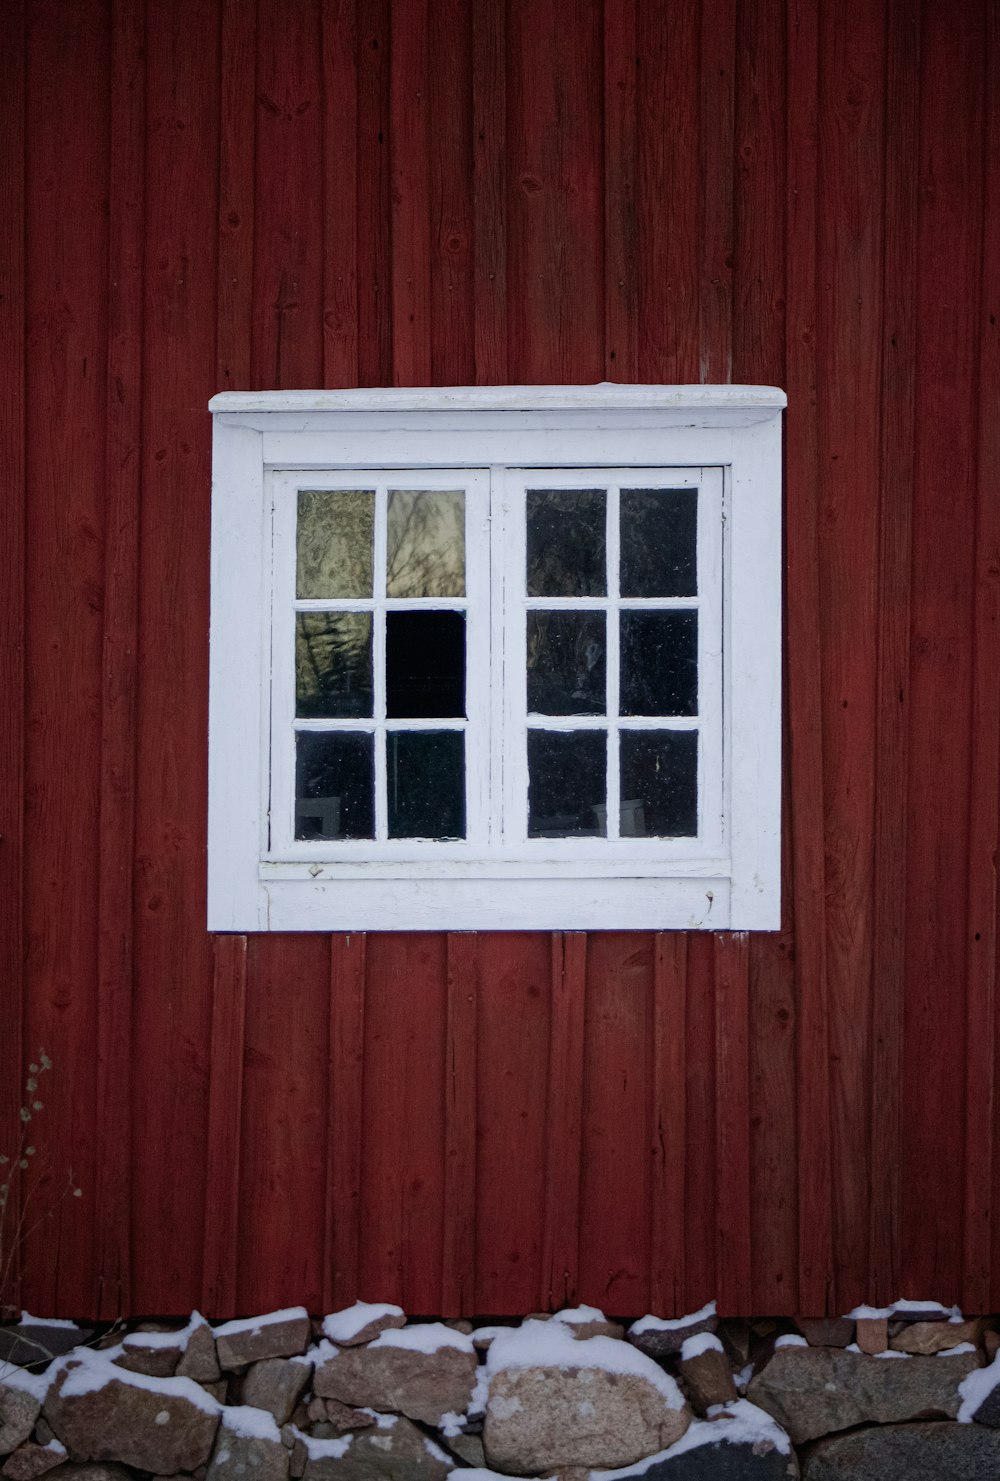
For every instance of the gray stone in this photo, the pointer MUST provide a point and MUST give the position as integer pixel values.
(339, 1333)
(27, 1343)
(660, 1342)
(908, 1452)
(826, 1331)
(468, 1448)
(546, 1418)
(812, 1391)
(239, 1456)
(18, 1412)
(160, 1425)
(394, 1450)
(708, 1379)
(240, 1343)
(29, 1461)
(422, 1385)
(276, 1385)
(926, 1338)
(724, 1460)
(89, 1471)
(988, 1412)
(199, 1359)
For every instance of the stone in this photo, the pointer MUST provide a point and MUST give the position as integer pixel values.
(717, 1459)
(826, 1331)
(588, 1321)
(153, 1360)
(90, 1471)
(361, 1323)
(282, 1334)
(928, 1311)
(872, 1334)
(217, 1390)
(737, 1338)
(663, 1339)
(343, 1417)
(708, 1378)
(812, 1391)
(27, 1343)
(407, 1379)
(160, 1425)
(468, 1448)
(43, 1431)
(29, 1461)
(18, 1412)
(991, 1343)
(926, 1338)
(247, 1450)
(199, 1359)
(392, 1450)
(276, 1385)
(545, 1418)
(908, 1452)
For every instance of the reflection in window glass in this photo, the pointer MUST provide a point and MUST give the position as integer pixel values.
(425, 543)
(425, 665)
(334, 785)
(334, 539)
(333, 664)
(659, 783)
(566, 663)
(425, 780)
(567, 783)
(566, 543)
(659, 542)
(659, 663)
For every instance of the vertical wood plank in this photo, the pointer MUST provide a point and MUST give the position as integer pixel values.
(898, 373)
(717, 85)
(13, 293)
(458, 1264)
(669, 1132)
(237, 120)
(700, 1177)
(338, 21)
(450, 194)
(345, 1121)
(120, 665)
(374, 264)
(732, 1124)
(225, 1127)
(564, 1117)
(803, 667)
(489, 173)
(621, 278)
(408, 140)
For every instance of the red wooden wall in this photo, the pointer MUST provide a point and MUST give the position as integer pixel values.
(199, 195)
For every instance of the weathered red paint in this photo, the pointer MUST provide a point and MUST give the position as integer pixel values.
(216, 194)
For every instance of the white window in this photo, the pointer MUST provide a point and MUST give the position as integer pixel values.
(496, 658)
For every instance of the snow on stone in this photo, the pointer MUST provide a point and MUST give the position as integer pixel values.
(179, 1338)
(323, 1449)
(317, 1354)
(890, 1353)
(27, 1320)
(427, 1337)
(435, 1451)
(659, 1324)
(867, 1313)
(382, 1421)
(549, 1345)
(956, 1351)
(578, 1315)
(36, 1384)
(926, 1308)
(739, 1423)
(790, 1339)
(976, 1388)
(93, 1372)
(743, 1377)
(341, 1326)
(250, 1422)
(476, 1473)
(693, 1347)
(253, 1324)
(451, 1424)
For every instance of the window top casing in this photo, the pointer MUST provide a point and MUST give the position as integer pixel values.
(264, 439)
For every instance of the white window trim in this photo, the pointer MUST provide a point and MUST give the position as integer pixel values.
(656, 885)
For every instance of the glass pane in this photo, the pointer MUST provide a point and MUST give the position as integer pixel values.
(333, 539)
(425, 781)
(567, 783)
(566, 663)
(659, 532)
(334, 785)
(424, 665)
(333, 664)
(425, 543)
(659, 781)
(659, 663)
(566, 543)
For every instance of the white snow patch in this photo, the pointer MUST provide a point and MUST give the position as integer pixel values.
(976, 1388)
(92, 1372)
(954, 1352)
(577, 1315)
(867, 1313)
(428, 1337)
(341, 1326)
(317, 1354)
(27, 1320)
(435, 1451)
(743, 1377)
(382, 1421)
(853, 1347)
(739, 1423)
(253, 1324)
(925, 1308)
(476, 1473)
(250, 1422)
(659, 1324)
(36, 1384)
(693, 1347)
(889, 1353)
(179, 1338)
(790, 1339)
(504, 1408)
(451, 1424)
(550, 1345)
(323, 1449)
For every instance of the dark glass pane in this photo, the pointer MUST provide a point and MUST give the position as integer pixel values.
(333, 538)
(566, 663)
(425, 543)
(659, 532)
(333, 664)
(659, 782)
(425, 780)
(334, 785)
(567, 783)
(566, 543)
(425, 665)
(659, 663)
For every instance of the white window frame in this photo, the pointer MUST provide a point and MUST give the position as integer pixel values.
(499, 440)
